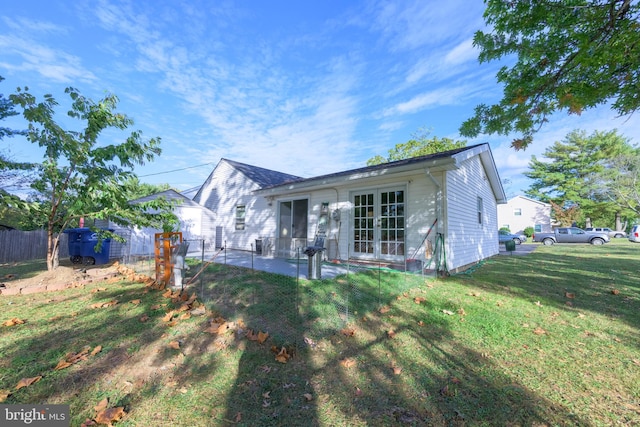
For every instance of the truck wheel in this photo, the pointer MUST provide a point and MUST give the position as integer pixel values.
(597, 241)
(548, 242)
(618, 236)
(517, 241)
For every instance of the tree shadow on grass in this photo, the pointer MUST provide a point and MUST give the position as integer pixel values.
(403, 366)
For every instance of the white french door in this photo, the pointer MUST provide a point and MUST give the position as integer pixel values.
(379, 224)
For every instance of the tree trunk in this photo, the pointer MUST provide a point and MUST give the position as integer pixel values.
(618, 222)
(53, 250)
(587, 222)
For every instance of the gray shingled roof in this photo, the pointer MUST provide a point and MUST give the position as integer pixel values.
(261, 176)
(388, 165)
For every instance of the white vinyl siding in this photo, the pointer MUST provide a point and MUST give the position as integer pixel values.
(467, 241)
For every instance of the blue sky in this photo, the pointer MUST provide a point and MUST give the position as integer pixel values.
(303, 87)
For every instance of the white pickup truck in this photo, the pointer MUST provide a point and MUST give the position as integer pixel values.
(571, 235)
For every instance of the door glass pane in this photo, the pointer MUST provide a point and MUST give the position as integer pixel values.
(363, 232)
(392, 223)
(300, 218)
(285, 219)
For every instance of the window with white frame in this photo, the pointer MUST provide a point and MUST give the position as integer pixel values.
(240, 217)
(538, 228)
(517, 212)
(480, 210)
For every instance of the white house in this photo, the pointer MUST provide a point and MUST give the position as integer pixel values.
(521, 212)
(442, 205)
(196, 223)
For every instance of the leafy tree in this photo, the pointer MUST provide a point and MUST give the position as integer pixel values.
(569, 56)
(81, 178)
(566, 215)
(136, 189)
(571, 175)
(419, 145)
(620, 180)
(11, 173)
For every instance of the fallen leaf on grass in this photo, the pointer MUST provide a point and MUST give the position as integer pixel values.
(397, 370)
(109, 415)
(391, 334)
(418, 300)
(538, 303)
(461, 312)
(358, 392)
(384, 309)
(539, 331)
(283, 356)
(569, 295)
(349, 332)
(167, 317)
(104, 304)
(13, 322)
(26, 382)
(4, 394)
(96, 350)
(144, 318)
(238, 417)
(135, 301)
(260, 337)
(175, 345)
(421, 323)
(348, 362)
(615, 291)
(448, 312)
(308, 397)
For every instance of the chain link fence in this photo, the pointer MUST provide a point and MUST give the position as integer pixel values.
(275, 295)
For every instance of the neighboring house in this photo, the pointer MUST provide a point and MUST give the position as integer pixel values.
(374, 213)
(521, 212)
(196, 224)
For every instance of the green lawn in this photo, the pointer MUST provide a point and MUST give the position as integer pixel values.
(551, 338)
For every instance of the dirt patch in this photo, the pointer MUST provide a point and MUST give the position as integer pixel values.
(61, 276)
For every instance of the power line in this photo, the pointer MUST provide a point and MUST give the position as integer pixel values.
(174, 170)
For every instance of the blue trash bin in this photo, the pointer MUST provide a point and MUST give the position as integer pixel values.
(82, 243)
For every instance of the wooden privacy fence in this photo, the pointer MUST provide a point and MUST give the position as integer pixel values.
(16, 245)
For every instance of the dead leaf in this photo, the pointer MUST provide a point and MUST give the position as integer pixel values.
(539, 331)
(283, 356)
(384, 309)
(538, 303)
(348, 362)
(349, 332)
(26, 382)
(418, 300)
(4, 394)
(109, 415)
(135, 301)
(62, 365)
(262, 337)
(448, 312)
(167, 317)
(102, 405)
(308, 397)
(174, 345)
(391, 334)
(615, 291)
(13, 322)
(396, 370)
(569, 295)
(96, 350)
(238, 417)
(461, 312)
(421, 323)
(144, 318)
(358, 392)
